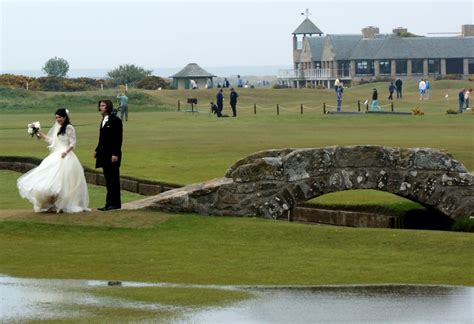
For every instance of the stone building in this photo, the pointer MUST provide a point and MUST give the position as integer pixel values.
(192, 72)
(319, 60)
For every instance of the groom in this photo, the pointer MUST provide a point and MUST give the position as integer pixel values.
(108, 153)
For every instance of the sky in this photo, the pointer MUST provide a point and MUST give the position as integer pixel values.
(103, 34)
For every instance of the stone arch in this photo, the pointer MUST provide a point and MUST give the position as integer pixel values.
(270, 183)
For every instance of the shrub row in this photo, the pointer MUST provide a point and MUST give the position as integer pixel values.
(52, 83)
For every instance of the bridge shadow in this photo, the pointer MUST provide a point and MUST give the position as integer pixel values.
(369, 208)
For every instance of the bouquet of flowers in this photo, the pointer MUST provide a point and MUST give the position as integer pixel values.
(34, 128)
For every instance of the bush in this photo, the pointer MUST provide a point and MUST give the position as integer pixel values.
(15, 81)
(280, 86)
(50, 83)
(464, 225)
(451, 112)
(417, 112)
(452, 77)
(153, 83)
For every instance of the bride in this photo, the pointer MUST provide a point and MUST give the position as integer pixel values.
(58, 183)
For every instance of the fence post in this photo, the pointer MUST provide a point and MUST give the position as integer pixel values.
(324, 108)
(278, 109)
(367, 106)
(302, 109)
(254, 108)
(358, 105)
(391, 104)
(179, 105)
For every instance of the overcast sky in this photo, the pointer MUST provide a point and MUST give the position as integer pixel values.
(167, 34)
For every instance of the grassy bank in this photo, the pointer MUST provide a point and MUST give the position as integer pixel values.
(219, 250)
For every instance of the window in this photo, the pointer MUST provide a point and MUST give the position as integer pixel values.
(344, 68)
(365, 67)
(454, 66)
(385, 68)
(401, 67)
(417, 66)
(470, 63)
(434, 66)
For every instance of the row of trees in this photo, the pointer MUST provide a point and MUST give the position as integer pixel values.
(125, 74)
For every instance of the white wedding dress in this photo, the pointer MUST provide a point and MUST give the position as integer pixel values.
(57, 183)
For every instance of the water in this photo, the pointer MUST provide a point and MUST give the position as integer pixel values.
(40, 299)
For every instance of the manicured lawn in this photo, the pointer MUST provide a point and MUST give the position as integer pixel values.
(163, 144)
(184, 148)
(219, 250)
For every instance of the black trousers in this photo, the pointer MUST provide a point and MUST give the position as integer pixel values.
(399, 93)
(112, 182)
(234, 109)
(220, 106)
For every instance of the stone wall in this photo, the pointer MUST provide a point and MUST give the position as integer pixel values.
(140, 186)
(271, 183)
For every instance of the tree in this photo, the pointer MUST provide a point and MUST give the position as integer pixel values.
(128, 74)
(56, 66)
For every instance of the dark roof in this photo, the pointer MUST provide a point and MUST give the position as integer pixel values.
(316, 45)
(192, 70)
(366, 48)
(343, 45)
(307, 27)
(390, 46)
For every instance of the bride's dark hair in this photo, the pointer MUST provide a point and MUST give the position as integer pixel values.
(63, 113)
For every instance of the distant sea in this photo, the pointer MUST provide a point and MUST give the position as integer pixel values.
(221, 71)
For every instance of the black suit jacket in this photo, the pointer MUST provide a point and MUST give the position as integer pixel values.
(110, 142)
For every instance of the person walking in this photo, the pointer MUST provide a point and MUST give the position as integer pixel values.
(123, 105)
(337, 83)
(233, 101)
(339, 91)
(427, 90)
(398, 85)
(467, 97)
(375, 101)
(220, 102)
(461, 99)
(391, 89)
(422, 89)
(108, 153)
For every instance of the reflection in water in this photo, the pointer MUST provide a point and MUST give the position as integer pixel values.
(382, 304)
(22, 299)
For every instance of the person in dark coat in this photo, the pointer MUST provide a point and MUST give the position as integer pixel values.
(461, 99)
(398, 85)
(233, 101)
(391, 89)
(108, 153)
(220, 102)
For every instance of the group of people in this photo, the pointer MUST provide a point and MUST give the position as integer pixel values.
(217, 107)
(397, 86)
(58, 183)
(424, 89)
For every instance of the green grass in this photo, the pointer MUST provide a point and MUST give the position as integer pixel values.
(177, 296)
(162, 144)
(184, 148)
(220, 250)
(369, 200)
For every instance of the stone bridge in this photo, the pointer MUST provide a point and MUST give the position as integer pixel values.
(270, 183)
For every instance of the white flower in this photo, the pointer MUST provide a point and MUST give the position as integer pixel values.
(34, 128)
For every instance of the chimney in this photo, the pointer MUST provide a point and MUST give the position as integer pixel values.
(370, 31)
(467, 30)
(397, 31)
